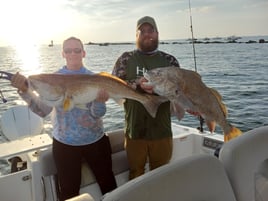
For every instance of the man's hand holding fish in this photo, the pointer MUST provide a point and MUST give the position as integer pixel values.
(145, 85)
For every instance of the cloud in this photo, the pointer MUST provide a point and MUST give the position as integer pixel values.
(120, 9)
(96, 9)
(115, 20)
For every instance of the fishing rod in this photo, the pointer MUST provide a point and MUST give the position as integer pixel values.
(201, 120)
(7, 76)
(191, 26)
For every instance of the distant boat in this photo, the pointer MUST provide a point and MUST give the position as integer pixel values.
(51, 44)
(233, 38)
(103, 44)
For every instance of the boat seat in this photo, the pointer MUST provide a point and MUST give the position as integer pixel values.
(245, 159)
(199, 177)
(119, 158)
(19, 121)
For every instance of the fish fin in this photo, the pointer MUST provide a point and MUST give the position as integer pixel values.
(235, 132)
(67, 104)
(219, 99)
(105, 74)
(211, 125)
(176, 110)
(152, 104)
(197, 75)
(216, 94)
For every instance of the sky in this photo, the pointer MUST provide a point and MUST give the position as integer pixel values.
(40, 21)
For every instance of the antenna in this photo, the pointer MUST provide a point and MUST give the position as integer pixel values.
(190, 10)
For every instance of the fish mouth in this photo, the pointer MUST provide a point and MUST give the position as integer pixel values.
(148, 83)
(147, 76)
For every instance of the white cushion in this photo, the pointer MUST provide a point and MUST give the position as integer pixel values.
(245, 160)
(194, 178)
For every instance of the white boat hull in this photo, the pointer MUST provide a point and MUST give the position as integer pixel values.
(37, 182)
(34, 179)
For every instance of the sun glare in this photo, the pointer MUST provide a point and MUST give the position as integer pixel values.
(28, 57)
(32, 22)
(27, 25)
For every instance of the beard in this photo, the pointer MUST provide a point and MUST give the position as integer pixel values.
(147, 44)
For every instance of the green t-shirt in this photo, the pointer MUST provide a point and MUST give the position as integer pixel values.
(139, 124)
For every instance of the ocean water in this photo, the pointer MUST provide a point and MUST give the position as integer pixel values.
(237, 70)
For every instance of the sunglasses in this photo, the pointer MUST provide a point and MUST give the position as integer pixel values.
(75, 50)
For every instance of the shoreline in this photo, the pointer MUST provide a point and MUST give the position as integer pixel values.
(188, 41)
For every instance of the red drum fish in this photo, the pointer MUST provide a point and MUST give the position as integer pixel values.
(71, 90)
(187, 92)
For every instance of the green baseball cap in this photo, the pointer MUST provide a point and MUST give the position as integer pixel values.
(147, 19)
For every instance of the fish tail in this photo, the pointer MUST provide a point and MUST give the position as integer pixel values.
(234, 132)
(152, 104)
